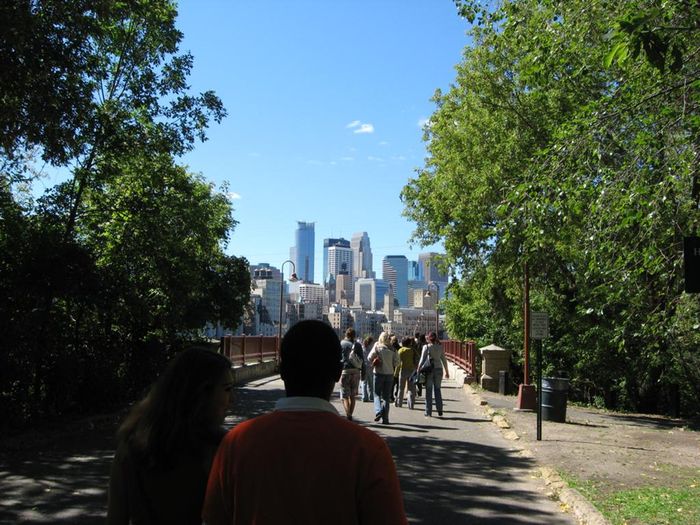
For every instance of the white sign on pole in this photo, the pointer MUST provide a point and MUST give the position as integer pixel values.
(539, 325)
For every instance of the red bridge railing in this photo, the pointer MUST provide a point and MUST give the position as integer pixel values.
(249, 349)
(463, 354)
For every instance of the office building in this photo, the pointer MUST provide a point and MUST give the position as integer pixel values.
(339, 260)
(395, 272)
(303, 251)
(327, 244)
(362, 256)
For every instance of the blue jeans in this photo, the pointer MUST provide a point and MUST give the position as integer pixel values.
(367, 387)
(432, 383)
(382, 394)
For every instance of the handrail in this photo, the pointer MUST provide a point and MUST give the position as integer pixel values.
(463, 354)
(248, 349)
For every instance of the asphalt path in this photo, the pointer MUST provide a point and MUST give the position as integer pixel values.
(455, 469)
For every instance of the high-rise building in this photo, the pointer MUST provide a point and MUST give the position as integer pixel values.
(413, 271)
(340, 261)
(362, 256)
(369, 293)
(327, 244)
(395, 271)
(428, 268)
(311, 293)
(303, 251)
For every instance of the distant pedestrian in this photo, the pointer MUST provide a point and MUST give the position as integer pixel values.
(384, 361)
(406, 368)
(433, 355)
(394, 345)
(166, 443)
(352, 370)
(419, 343)
(367, 382)
(302, 463)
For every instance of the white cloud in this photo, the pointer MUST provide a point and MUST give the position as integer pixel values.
(364, 128)
(233, 196)
(422, 122)
(347, 159)
(383, 143)
(360, 127)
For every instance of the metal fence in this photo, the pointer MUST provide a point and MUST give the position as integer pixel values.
(463, 354)
(249, 349)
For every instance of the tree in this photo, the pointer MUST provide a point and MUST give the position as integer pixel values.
(547, 151)
(112, 270)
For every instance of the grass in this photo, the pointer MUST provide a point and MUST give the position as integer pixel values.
(644, 505)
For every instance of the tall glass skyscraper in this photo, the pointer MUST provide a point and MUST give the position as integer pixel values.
(395, 271)
(304, 251)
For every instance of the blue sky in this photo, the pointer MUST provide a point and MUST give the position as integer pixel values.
(325, 103)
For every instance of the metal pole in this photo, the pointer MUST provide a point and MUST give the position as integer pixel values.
(539, 390)
(437, 314)
(526, 319)
(292, 278)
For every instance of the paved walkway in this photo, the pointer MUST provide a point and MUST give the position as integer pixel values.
(457, 469)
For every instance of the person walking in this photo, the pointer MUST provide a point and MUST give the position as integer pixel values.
(394, 345)
(367, 382)
(407, 367)
(433, 358)
(352, 370)
(384, 360)
(166, 443)
(418, 344)
(302, 463)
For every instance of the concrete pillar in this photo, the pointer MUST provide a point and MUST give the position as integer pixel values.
(493, 359)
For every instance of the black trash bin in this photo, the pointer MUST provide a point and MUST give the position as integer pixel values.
(554, 392)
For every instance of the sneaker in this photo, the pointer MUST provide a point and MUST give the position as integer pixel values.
(439, 413)
(349, 418)
(377, 416)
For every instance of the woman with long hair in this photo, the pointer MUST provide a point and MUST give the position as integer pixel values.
(384, 361)
(433, 355)
(166, 443)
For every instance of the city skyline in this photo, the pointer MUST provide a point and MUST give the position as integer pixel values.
(326, 128)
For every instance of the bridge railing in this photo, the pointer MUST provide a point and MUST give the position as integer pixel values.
(249, 349)
(463, 354)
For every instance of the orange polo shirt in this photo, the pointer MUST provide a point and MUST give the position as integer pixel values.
(303, 466)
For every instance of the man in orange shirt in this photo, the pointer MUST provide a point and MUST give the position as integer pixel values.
(303, 463)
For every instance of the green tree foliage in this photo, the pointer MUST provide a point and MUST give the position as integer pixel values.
(558, 147)
(108, 272)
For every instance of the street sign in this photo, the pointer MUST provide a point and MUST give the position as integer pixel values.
(539, 325)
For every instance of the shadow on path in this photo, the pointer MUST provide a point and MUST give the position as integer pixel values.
(448, 482)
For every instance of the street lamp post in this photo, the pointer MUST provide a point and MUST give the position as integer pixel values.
(292, 279)
(437, 297)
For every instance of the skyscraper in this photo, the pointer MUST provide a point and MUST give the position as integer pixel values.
(428, 268)
(395, 271)
(303, 251)
(327, 245)
(361, 255)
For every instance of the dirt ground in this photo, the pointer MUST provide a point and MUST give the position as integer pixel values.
(615, 451)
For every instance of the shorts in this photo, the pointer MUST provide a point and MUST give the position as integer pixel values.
(349, 383)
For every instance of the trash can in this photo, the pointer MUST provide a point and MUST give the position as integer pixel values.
(554, 392)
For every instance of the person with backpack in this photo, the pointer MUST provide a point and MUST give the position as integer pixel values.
(352, 360)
